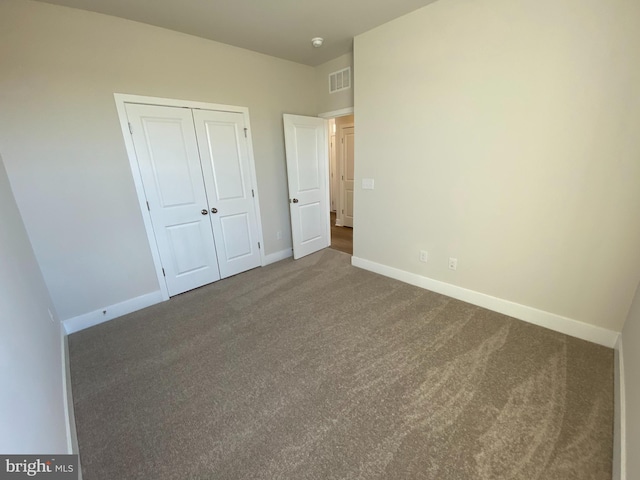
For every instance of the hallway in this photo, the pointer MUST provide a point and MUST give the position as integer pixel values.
(341, 237)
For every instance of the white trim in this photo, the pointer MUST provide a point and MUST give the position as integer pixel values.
(173, 102)
(568, 326)
(69, 417)
(67, 399)
(105, 314)
(620, 417)
(343, 112)
(277, 256)
(142, 200)
(254, 182)
(327, 173)
(121, 99)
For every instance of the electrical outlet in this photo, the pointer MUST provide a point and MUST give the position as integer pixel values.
(423, 256)
(453, 263)
(278, 235)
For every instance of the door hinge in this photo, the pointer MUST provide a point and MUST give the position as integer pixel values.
(342, 140)
(245, 132)
(259, 246)
(164, 274)
(343, 212)
(148, 207)
(253, 193)
(342, 177)
(130, 129)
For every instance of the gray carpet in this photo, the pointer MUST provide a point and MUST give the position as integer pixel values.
(315, 369)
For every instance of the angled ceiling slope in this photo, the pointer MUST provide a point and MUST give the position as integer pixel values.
(281, 28)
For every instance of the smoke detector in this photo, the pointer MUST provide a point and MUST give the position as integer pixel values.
(317, 42)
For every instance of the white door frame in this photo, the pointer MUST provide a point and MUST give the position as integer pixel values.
(121, 99)
(333, 168)
(343, 112)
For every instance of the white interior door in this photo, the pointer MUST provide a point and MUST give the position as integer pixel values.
(347, 145)
(167, 152)
(307, 170)
(226, 169)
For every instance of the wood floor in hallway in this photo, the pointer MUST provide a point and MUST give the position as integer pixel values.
(341, 237)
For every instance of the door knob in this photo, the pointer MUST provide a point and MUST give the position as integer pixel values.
(204, 211)
(295, 200)
(214, 210)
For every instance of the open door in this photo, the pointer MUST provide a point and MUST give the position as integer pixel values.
(308, 175)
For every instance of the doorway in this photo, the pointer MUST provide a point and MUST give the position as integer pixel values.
(341, 237)
(341, 148)
(309, 142)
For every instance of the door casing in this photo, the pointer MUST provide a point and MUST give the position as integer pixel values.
(121, 99)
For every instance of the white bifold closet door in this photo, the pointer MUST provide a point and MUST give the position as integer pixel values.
(195, 171)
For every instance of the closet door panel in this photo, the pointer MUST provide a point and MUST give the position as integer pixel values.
(169, 163)
(227, 176)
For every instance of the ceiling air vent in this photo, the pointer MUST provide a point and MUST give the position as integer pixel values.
(340, 80)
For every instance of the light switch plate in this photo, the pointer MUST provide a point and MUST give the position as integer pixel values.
(367, 183)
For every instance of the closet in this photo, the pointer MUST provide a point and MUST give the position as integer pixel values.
(197, 179)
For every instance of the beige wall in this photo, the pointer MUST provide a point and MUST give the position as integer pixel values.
(329, 102)
(498, 133)
(631, 361)
(31, 397)
(64, 152)
(506, 134)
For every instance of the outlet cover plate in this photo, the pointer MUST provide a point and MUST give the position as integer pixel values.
(367, 183)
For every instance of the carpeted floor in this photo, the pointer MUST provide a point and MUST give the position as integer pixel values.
(315, 369)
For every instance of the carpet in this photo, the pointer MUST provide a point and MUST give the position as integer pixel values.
(314, 369)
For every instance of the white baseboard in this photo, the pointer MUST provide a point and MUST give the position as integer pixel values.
(67, 392)
(105, 314)
(620, 418)
(277, 256)
(568, 326)
(67, 400)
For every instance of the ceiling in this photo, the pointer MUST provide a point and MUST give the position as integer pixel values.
(281, 28)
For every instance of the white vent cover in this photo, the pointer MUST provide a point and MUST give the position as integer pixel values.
(340, 80)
